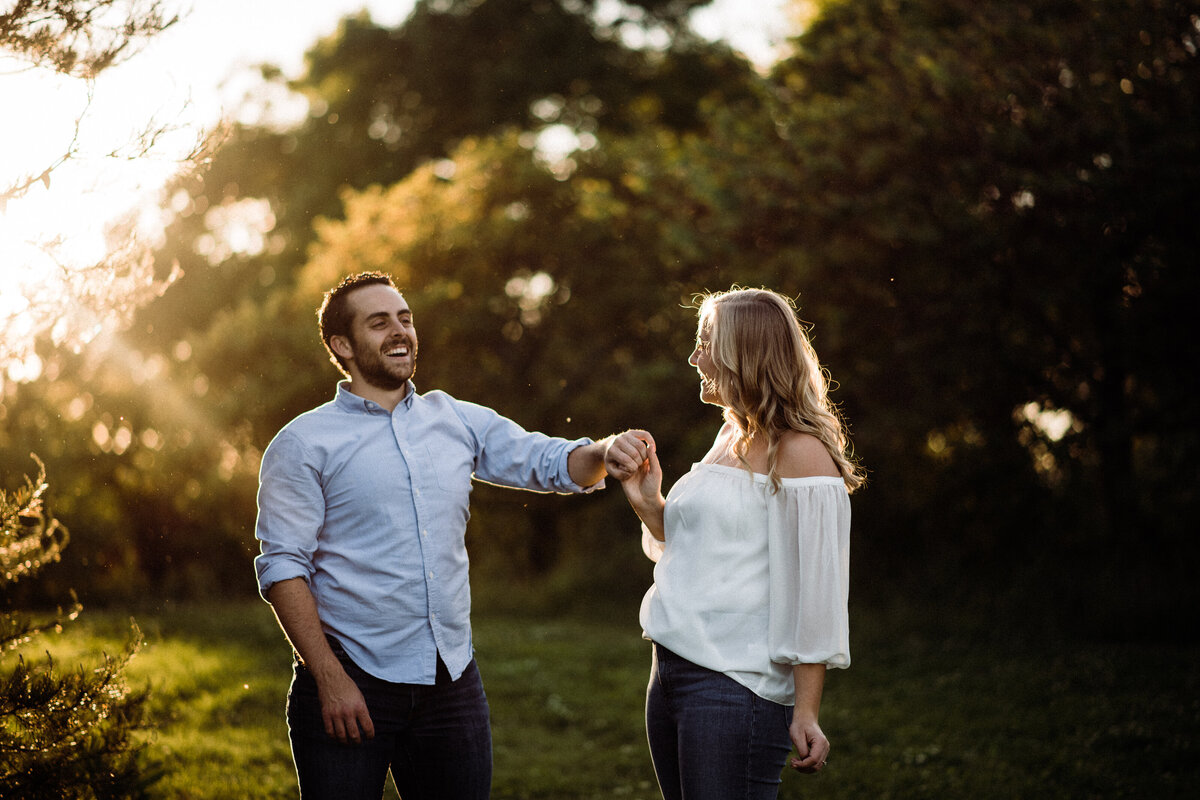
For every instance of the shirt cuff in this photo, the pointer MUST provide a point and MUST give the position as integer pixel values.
(568, 484)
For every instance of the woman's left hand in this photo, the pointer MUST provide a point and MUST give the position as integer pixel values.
(627, 453)
(812, 748)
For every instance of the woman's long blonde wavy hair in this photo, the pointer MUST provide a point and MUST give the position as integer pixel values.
(769, 378)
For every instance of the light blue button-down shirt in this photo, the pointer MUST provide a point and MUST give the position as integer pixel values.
(371, 508)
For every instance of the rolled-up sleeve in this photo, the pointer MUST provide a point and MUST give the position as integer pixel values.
(291, 512)
(809, 543)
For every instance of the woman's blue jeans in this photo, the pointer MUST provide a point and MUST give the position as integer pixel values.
(436, 740)
(710, 737)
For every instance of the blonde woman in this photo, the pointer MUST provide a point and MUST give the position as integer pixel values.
(749, 603)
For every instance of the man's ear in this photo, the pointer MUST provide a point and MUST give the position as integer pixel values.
(341, 346)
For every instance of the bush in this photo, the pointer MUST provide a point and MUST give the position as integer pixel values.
(61, 735)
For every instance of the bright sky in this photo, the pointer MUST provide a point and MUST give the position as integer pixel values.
(188, 76)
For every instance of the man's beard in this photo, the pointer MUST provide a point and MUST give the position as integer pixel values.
(375, 370)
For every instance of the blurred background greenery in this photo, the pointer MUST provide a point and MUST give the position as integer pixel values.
(988, 211)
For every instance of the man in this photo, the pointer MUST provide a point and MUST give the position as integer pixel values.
(363, 507)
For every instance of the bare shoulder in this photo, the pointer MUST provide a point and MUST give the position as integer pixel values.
(802, 455)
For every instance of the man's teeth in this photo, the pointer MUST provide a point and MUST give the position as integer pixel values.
(398, 351)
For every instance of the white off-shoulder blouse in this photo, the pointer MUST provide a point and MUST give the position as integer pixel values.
(749, 582)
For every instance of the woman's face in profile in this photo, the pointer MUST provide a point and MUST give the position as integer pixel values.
(701, 359)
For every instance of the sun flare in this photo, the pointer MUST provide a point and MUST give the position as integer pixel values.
(80, 158)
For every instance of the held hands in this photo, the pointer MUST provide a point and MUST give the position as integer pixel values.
(812, 748)
(632, 459)
(628, 453)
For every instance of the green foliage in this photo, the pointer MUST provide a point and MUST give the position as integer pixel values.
(986, 209)
(28, 538)
(989, 206)
(382, 102)
(153, 483)
(61, 735)
(71, 735)
(159, 438)
(29, 541)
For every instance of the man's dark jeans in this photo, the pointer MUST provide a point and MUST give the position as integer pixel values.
(436, 740)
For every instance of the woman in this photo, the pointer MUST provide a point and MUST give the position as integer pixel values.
(748, 606)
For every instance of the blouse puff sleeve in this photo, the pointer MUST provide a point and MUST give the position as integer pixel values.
(652, 547)
(808, 535)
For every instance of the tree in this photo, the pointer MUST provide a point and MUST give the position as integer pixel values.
(546, 289)
(209, 372)
(994, 250)
(383, 101)
(46, 321)
(985, 209)
(995, 201)
(61, 735)
(67, 734)
(485, 230)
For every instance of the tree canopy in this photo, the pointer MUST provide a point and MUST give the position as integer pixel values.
(984, 208)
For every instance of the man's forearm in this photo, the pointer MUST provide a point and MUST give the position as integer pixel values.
(344, 712)
(585, 464)
(296, 609)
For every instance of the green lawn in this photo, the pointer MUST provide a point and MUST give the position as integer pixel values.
(921, 714)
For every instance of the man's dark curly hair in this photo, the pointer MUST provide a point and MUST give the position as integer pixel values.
(334, 317)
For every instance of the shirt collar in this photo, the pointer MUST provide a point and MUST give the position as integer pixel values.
(349, 401)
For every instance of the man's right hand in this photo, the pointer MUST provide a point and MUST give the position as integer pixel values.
(343, 708)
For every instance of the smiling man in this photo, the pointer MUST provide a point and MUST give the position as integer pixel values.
(363, 507)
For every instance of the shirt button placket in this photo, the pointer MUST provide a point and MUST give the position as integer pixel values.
(426, 555)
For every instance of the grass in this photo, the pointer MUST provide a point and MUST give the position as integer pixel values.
(923, 713)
